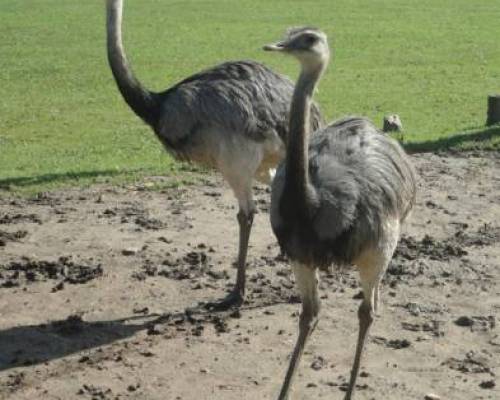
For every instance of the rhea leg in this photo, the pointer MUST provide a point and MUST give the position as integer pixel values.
(237, 295)
(245, 220)
(307, 280)
(371, 270)
(365, 315)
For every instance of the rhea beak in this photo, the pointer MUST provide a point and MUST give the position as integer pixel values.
(280, 46)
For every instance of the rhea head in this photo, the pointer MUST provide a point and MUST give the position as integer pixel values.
(309, 45)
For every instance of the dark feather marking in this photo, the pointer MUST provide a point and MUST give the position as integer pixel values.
(358, 177)
(244, 97)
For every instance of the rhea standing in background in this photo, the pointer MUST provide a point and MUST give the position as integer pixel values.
(232, 117)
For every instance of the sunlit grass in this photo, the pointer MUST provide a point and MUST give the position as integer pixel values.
(62, 121)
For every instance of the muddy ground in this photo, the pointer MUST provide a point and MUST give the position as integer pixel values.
(99, 291)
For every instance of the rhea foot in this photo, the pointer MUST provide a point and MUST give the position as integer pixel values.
(232, 300)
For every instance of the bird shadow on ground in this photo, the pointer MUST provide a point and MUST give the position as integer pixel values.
(36, 344)
(481, 139)
(26, 181)
(74, 177)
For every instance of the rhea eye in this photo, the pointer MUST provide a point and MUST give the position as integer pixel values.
(310, 40)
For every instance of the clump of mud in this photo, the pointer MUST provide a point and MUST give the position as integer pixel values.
(72, 325)
(134, 213)
(194, 264)
(473, 362)
(486, 235)
(96, 392)
(16, 236)
(443, 250)
(7, 219)
(410, 249)
(192, 321)
(64, 270)
(441, 261)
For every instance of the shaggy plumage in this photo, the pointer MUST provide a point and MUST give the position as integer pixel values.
(243, 98)
(358, 178)
(232, 117)
(339, 197)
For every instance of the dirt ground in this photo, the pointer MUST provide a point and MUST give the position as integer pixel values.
(100, 291)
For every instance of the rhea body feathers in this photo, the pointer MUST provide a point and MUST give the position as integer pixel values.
(358, 177)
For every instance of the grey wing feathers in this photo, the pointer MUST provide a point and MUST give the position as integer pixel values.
(242, 96)
(360, 176)
(277, 187)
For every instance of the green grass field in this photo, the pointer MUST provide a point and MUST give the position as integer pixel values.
(62, 120)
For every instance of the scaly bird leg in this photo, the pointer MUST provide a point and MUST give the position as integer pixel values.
(365, 315)
(307, 281)
(237, 295)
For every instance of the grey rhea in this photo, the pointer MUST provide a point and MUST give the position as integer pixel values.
(233, 117)
(339, 197)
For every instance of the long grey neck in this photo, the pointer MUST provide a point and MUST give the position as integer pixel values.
(297, 158)
(141, 101)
